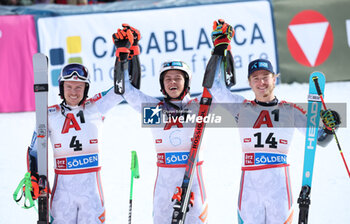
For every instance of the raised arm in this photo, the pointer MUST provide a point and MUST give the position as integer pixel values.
(220, 92)
(221, 65)
(107, 100)
(127, 69)
(135, 97)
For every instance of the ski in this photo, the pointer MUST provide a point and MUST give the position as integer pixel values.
(119, 83)
(181, 206)
(134, 68)
(40, 66)
(313, 119)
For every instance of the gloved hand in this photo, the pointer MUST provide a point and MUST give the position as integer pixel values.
(221, 37)
(178, 196)
(123, 40)
(331, 120)
(134, 49)
(34, 190)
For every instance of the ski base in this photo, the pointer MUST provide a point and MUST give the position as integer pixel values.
(40, 67)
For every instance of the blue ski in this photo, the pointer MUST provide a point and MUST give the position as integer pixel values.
(313, 118)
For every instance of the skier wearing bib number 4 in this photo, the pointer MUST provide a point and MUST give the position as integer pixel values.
(172, 139)
(76, 196)
(266, 126)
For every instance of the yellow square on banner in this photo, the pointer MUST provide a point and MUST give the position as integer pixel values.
(78, 60)
(73, 44)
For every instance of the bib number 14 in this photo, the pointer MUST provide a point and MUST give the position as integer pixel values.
(270, 141)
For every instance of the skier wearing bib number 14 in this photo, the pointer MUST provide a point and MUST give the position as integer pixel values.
(266, 126)
(172, 139)
(76, 196)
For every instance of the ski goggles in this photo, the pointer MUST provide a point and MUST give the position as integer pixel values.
(172, 64)
(77, 70)
(179, 65)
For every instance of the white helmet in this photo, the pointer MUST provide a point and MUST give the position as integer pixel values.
(176, 65)
(74, 72)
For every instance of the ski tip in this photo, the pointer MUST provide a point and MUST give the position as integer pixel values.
(317, 74)
(40, 55)
(318, 78)
(40, 62)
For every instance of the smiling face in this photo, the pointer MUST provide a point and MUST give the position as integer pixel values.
(174, 83)
(73, 92)
(262, 83)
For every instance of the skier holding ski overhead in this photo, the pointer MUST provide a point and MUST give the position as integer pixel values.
(172, 139)
(76, 196)
(266, 126)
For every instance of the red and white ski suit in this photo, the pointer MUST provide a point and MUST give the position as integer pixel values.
(266, 132)
(172, 143)
(76, 195)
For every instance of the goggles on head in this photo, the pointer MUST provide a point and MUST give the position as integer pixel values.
(173, 64)
(76, 70)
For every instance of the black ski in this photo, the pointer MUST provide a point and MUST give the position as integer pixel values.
(181, 207)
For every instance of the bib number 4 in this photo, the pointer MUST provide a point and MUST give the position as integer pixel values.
(75, 144)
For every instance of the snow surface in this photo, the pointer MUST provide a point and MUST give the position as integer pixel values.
(122, 132)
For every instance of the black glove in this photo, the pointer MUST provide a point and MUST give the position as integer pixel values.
(331, 120)
(123, 40)
(134, 49)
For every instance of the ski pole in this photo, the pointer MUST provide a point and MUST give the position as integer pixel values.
(319, 92)
(134, 174)
(26, 181)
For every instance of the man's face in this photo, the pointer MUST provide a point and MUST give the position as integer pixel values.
(174, 83)
(73, 92)
(262, 83)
